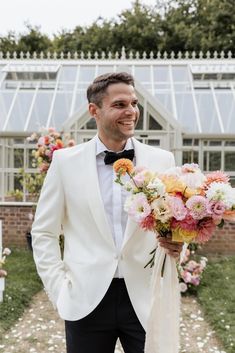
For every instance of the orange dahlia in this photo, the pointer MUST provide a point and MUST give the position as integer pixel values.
(123, 166)
(216, 176)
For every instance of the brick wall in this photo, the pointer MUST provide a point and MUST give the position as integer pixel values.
(16, 223)
(223, 241)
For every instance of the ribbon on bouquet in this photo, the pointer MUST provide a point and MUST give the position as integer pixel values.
(162, 334)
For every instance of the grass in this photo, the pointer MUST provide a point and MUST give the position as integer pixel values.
(216, 294)
(22, 283)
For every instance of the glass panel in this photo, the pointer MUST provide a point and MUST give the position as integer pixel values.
(153, 142)
(147, 86)
(186, 112)
(153, 124)
(190, 157)
(68, 73)
(142, 73)
(87, 73)
(215, 143)
(161, 73)
(187, 142)
(80, 100)
(207, 112)
(65, 86)
(212, 161)
(229, 161)
(140, 123)
(230, 143)
(165, 100)
(180, 73)
(182, 87)
(20, 111)
(40, 111)
(232, 181)
(18, 158)
(5, 103)
(1, 159)
(90, 125)
(12, 182)
(104, 69)
(162, 87)
(30, 158)
(226, 103)
(61, 110)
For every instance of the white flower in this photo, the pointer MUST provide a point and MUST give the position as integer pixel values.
(221, 192)
(30, 216)
(129, 186)
(193, 180)
(157, 186)
(6, 251)
(137, 207)
(161, 210)
(183, 287)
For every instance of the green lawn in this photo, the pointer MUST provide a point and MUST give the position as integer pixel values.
(22, 283)
(216, 294)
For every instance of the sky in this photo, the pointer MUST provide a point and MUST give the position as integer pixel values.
(54, 15)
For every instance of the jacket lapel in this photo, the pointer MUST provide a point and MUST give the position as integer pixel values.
(93, 191)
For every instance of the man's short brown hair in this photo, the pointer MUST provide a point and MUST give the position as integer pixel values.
(97, 90)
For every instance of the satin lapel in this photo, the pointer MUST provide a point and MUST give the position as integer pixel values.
(93, 191)
(140, 156)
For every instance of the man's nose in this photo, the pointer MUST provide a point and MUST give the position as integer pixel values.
(130, 110)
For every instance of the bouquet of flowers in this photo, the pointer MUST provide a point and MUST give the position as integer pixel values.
(182, 201)
(190, 272)
(47, 142)
(5, 253)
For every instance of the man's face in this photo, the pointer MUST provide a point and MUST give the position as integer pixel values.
(117, 117)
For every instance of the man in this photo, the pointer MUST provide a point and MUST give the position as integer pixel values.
(101, 287)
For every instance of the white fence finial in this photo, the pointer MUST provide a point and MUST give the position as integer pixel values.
(123, 53)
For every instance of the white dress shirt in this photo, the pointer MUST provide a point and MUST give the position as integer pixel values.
(113, 196)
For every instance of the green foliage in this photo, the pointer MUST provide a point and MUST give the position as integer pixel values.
(217, 297)
(176, 25)
(22, 283)
(32, 182)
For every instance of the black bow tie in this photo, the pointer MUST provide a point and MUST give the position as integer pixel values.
(111, 157)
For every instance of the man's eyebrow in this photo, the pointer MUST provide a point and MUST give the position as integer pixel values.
(125, 100)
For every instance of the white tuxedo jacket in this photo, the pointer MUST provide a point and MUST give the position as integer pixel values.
(71, 197)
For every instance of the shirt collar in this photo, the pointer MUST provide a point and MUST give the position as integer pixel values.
(100, 147)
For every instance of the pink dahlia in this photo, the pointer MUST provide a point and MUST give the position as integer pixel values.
(205, 230)
(198, 207)
(178, 208)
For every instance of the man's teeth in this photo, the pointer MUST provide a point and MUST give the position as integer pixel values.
(126, 122)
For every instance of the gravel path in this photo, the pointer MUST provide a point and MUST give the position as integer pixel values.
(40, 330)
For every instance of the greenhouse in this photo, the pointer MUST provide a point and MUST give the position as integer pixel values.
(187, 105)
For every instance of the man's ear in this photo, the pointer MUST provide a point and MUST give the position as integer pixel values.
(93, 109)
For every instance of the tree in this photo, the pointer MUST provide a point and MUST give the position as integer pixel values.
(33, 41)
(8, 43)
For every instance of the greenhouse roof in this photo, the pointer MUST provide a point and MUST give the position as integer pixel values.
(198, 93)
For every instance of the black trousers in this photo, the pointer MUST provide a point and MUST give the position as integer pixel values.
(113, 318)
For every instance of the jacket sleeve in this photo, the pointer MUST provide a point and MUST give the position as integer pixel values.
(46, 230)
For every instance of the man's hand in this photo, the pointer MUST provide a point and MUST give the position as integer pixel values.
(172, 248)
